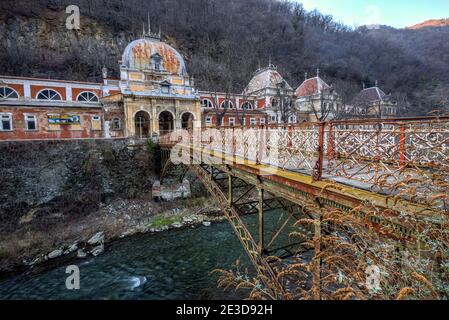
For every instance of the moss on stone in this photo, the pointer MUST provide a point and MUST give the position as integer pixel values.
(162, 220)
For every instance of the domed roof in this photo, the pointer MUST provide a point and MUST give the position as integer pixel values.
(311, 87)
(140, 53)
(265, 78)
(370, 95)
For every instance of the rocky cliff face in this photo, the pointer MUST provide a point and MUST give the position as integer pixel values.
(37, 43)
(431, 23)
(68, 179)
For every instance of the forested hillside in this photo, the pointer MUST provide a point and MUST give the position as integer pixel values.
(224, 43)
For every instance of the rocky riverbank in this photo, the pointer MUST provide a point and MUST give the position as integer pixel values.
(68, 199)
(35, 251)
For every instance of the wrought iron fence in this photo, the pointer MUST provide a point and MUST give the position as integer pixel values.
(386, 155)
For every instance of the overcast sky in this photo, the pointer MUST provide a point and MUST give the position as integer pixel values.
(395, 13)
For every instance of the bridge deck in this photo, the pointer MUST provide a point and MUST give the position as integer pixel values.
(345, 191)
(392, 177)
(398, 164)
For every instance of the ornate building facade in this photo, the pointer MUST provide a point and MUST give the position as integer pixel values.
(155, 95)
(374, 103)
(315, 100)
(33, 108)
(255, 106)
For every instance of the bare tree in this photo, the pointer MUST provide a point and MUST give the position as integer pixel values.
(401, 103)
(440, 99)
(344, 108)
(221, 109)
(243, 111)
(283, 105)
(322, 105)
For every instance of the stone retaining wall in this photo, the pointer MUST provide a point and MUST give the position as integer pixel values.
(68, 177)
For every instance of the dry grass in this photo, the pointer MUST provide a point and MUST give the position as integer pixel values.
(344, 248)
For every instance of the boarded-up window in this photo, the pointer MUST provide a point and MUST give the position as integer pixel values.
(116, 124)
(96, 123)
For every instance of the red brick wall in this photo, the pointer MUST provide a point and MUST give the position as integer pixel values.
(44, 132)
(116, 114)
(113, 92)
(36, 89)
(234, 115)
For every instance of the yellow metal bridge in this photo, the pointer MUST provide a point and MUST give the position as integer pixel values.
(378, 171)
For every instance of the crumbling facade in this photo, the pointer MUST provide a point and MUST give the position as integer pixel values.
(49, 109)
(315, 100)
(155, 95)
(373, 103)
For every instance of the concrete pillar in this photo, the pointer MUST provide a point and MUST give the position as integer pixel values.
(154, 117)
(197, 112)
(178, 121)
(129, 124)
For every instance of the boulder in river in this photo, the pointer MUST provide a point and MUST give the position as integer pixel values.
(96, 239)
(81, 253)
(97, 250)
(72, 248)
(55, 254)
(36, 260)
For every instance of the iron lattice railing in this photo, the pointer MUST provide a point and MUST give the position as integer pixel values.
(402, 157)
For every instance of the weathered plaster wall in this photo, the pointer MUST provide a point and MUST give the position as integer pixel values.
(45, 130)
(68, 177)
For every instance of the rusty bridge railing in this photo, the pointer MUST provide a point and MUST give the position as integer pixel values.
(407, 157)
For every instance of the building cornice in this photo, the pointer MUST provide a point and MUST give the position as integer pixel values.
(41, 103)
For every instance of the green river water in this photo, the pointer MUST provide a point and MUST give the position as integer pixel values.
(170, 265)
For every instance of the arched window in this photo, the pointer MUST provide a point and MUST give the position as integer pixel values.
(49, 94)
(227, 105)
(247, 106)
(206, 103)
(8, 93)
(87, 96)
(116, 124)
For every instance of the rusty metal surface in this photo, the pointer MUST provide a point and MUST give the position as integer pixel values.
(390, 175)
(400, 158)
(252, 248)
(404, 163)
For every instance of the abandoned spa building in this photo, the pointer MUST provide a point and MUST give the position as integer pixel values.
(154, 95)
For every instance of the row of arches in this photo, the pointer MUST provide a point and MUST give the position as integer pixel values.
(49, 95)
(142, 122)
(206, 103)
